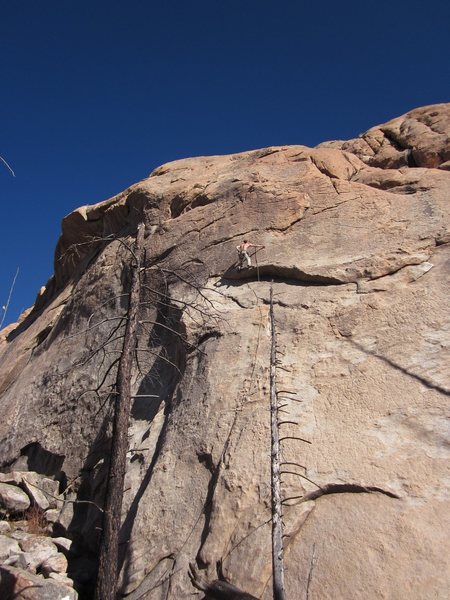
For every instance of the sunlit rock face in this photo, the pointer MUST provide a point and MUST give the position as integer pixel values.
(356, 247)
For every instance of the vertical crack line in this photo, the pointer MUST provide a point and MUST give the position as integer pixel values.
(312, 564)
(277, 524)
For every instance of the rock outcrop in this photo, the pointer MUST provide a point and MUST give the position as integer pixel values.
(356, 246)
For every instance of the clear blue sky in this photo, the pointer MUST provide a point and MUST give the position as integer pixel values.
(96, 94)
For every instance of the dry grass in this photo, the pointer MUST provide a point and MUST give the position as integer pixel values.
(36, 522)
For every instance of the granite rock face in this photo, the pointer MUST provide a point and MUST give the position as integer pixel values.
(356, 246)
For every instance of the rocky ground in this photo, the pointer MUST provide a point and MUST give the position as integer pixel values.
(33, 550)
(356, 248)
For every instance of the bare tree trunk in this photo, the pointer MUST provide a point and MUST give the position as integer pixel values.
(217, 590)
(109, 547)
(277, 525)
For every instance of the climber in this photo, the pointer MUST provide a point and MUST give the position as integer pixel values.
(244, 255)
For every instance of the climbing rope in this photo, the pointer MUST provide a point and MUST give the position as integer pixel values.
(260, 322)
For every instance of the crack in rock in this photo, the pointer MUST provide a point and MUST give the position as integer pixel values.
(343, 488)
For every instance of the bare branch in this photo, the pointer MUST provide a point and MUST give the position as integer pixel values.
(286, 462)
(293, 437)
(302, 476)
(97, 350)
(107, 302)
(92, 327)
(5, 307)
(159, 356)
(291, 399)
(291, 498)
(7, 166)
(59, 499)
(233, 548)
(114, 362)
(174, 331)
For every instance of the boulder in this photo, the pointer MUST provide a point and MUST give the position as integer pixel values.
(52, 515)
(54, 564)
(8, 546)
(17, 583)
(13, 478)
(37, 549)
(50, 488)
(18, 560)
(12, 499)
(61, 578)
(32, 484)
(63, 517)
(64, 544)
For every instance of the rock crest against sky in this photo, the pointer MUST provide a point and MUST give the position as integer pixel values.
(356, 240)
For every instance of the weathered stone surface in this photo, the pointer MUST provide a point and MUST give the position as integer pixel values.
(64, 544)
(12, 499)
(54, 564)
(17, 583)
(355, 239)
(20, 530)
(13, 478)
(4, 527)
(63, 520)
(418, 139)
(37, 549)
(61, 578)
(50, 488)
(42, 491)
(18, 560)
(8, 546)
(32, 484)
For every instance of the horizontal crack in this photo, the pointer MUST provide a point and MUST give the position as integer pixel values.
(397, 268)
(292, 275)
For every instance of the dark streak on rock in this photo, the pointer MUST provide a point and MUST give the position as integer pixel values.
(345, 488)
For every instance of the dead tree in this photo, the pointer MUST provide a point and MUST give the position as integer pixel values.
(151, 315)
(277, 523)
(131, 346)
(109, 547)
(217, 590)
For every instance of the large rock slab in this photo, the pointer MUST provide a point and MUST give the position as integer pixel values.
(356, 248)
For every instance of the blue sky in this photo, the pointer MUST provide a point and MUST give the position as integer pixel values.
(95, 95)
